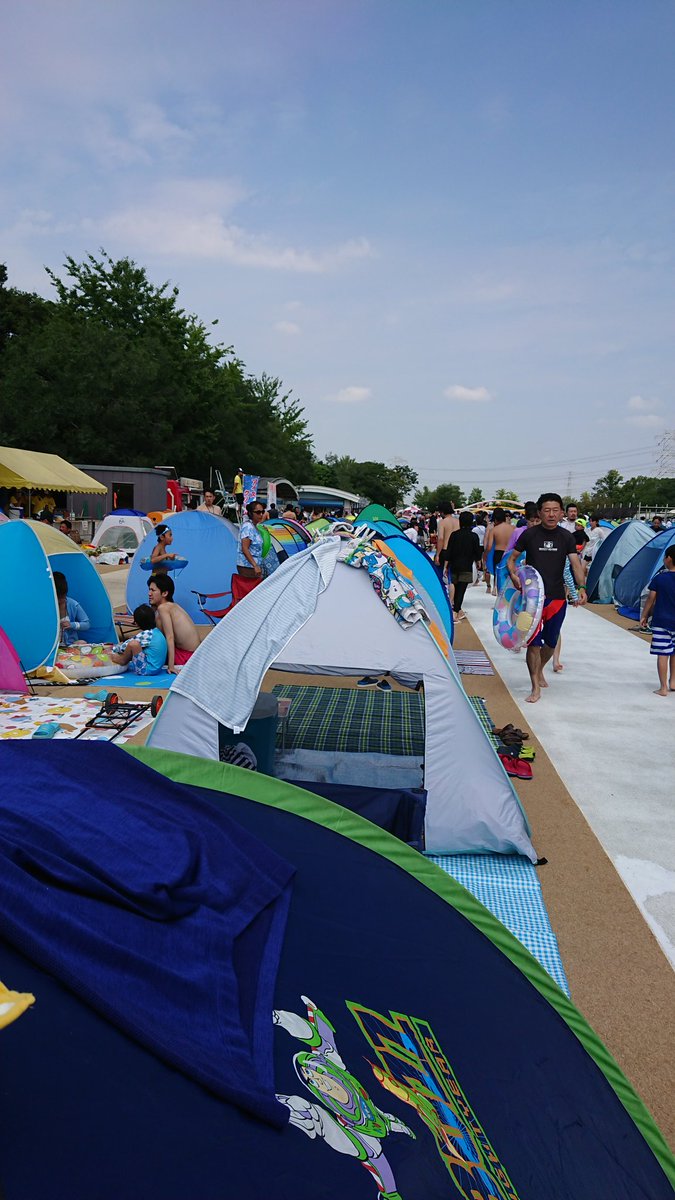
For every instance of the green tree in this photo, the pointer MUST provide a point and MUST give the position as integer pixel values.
(20, 312)
(380, 483)
(384, 485)
(607, 489)
(116, 370)
(475, 496)
(506, 496)
(430, 499)
(649, 492)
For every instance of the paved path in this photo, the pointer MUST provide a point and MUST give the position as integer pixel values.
(115, 584)
(612, 741)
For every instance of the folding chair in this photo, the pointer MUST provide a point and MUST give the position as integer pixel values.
(214, 614)
(240, 588)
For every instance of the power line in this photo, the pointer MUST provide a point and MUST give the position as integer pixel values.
(447, 473)
(563, 462)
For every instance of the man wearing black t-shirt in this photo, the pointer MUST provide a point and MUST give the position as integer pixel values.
(547, 547)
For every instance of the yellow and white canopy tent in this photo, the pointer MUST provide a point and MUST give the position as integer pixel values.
(32, 469)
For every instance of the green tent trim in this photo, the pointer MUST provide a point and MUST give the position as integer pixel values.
(264, 789)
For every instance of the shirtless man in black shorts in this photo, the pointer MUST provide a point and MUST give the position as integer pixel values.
(547, 547)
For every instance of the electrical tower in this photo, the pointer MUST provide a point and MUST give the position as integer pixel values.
(665, 463)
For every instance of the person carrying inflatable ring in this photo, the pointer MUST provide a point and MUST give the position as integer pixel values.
(547, 548)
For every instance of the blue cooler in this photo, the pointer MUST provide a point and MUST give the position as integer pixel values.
(260, 732)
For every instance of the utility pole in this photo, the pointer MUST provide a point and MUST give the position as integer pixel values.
(569, 484)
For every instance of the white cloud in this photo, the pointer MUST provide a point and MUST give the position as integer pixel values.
(288, 327)
(352, 395)
(646, 420)
(189, 220)
(470, 395)
(642, 404)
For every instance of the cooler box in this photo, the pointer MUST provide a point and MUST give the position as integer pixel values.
(260, 732)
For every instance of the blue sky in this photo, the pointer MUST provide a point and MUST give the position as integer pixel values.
(447, 226)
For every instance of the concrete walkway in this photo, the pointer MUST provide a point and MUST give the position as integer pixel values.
(612, 741)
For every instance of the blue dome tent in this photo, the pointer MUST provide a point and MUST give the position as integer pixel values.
(400, 1042)
(29, 610)
(612, 554)
(210, 546)
(634, 577)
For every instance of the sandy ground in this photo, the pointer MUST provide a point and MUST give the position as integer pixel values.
(619, 977)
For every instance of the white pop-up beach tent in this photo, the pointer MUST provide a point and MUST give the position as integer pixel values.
(316, 615)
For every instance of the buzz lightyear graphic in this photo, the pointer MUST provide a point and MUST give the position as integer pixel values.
(410, 1065)
(345, 1117)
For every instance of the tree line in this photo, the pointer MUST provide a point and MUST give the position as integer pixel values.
(641, 491)
(112, 370)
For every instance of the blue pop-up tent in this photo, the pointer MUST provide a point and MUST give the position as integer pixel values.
(371, 1031)
(30, 552)
(210, 546)
(613, 554)
(634, 577)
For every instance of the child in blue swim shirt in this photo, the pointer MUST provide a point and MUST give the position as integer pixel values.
(146, 652)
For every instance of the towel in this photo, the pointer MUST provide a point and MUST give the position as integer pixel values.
(154, 907)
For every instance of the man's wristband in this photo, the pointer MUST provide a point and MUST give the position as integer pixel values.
(580, 587)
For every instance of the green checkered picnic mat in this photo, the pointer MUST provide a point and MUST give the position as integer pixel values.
(353, 720)
(480, 708)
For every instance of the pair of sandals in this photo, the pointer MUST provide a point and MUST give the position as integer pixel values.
(516, 767)
(371, 681)
(510, 736)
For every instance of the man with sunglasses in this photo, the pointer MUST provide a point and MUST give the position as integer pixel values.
(249, 553)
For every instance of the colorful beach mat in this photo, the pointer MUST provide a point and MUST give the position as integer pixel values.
(473, 662)
(21, 716)
(353, 720)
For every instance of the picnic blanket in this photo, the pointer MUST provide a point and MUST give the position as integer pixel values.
(21, 715)
(473, 662)
(353, 720)
(509, 886)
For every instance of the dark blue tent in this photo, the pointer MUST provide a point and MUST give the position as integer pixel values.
(635, 576)
(418, 1051)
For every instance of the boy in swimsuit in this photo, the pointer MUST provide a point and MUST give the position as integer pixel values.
(160, 552)
(178, 628)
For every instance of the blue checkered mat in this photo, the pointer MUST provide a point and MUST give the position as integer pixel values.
(508, 885)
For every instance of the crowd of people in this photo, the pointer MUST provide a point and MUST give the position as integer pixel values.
(468, 547)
